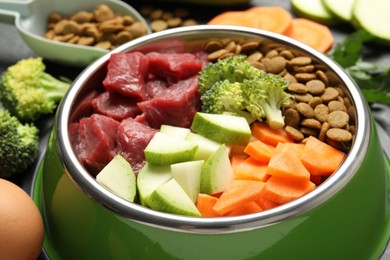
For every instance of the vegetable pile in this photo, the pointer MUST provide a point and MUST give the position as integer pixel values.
(26, 93)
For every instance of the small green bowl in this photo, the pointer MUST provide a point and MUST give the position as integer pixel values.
(345, 217)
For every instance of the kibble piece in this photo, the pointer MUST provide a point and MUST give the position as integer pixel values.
(181, 12)
(189, 22)
(297, 88)
(336, 106)
(128, 20)
(315, 101)
(306, 98)
(54, 17)
(321, 112)
(329, 94)
(82, 17)
(339, 135)
(88, 41)
(303, 69)
(156, 14)
(103, 13)
(294, 134)
(255, 56)
(315, 87)
(274, 65)
(324, 128)
(249, 46)
(122, 37)
(216, 54)
(287, 54)
(306, 131)
(338, 119)
(292, 117)
(304, 77)
(300, 61)
(290, 78)
(311, 123)
(174, 22)
(272, 54)
(322, 76)
(305, 109)
(231, 46)
(103, 45)
(158, 25)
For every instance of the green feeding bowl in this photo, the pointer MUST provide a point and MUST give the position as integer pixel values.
(347, 216)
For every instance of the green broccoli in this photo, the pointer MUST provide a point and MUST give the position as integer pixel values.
(233, 68)
(27, 91)
(225, 96)
(19, 145)
(265, 97)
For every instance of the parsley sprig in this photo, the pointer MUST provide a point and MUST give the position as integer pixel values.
(373, 79)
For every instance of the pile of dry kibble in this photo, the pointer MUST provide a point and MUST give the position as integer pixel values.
(100, 28)
(161, 19)
(320, 106)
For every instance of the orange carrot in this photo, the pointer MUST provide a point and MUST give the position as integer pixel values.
(251, 169)
(281, 191)
(295, 147)
(316, 179)
(266, 203)
(260, 151)
(235, 149)
(268, 135)
(236, 160)
(320, 158)
(248, 208)
(270, 18)
(288, 166)
(237, 194)
(205, 205)
(311, 33)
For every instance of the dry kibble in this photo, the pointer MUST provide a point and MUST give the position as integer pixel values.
(305, 109)
(156, 14)
(300, 61)
(338, 119)
(54, 17)
(324, 128)
(274, 65)
(297, 88)
(287, 54)
(174, 22)
(189, 22)
(82, 17)
(292, 117)
(255, 56)
(86, 41)
(311, 123)
(103, 45)
(321, 112)
(103, 13)
(304, 77)
(122, 37)
(306, 98)
(336, 106)
(339, 135)
(315, 87)
(329, 94)
(315, 101)
(294, 134)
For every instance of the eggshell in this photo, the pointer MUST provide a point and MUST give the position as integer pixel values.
(21, 224)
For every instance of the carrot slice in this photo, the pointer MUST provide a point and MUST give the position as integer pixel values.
(311, 33)
(280, 191)
(236, 160)
(270, 18)
(251, 169)
(205, 204)
(265, 203)
(316, 179)
(320, 158)
(248, 208)
(270, 136)
(297, 148)
(260, 151)
(288, 166)
(237, 194)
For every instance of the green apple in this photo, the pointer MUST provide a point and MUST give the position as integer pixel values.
(171, 198)
(222, 128)
(206, 147)
(187, 174)
(341, 9)
(165, 149)
(176, 131)
(118, 177)
(149, 178)
(217, 172)
(314, 10)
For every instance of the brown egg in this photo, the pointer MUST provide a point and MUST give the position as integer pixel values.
(21, 224)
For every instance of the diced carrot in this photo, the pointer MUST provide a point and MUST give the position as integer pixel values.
(235, 149)
(288, 166)
(260, 151)
(280, 191)
(236, 160)
(248, 208)
(320, 158)
(314, 34)
(265, 203)
(205, 204)
(237, 194)
(251, 169)
(295, 147)
(268, 135)
(270, 18)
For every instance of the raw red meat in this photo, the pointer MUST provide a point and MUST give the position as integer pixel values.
(116, 106)
(173, 66)
(97, 141)
(132, 139)
(127, 73)
(176, 106)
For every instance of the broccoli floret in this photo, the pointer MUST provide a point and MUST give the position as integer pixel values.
(225, 96)
(233, 68)
(19, 144)
(266, 97)
(27, 91)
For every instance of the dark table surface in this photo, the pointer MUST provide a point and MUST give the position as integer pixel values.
(12, 49)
